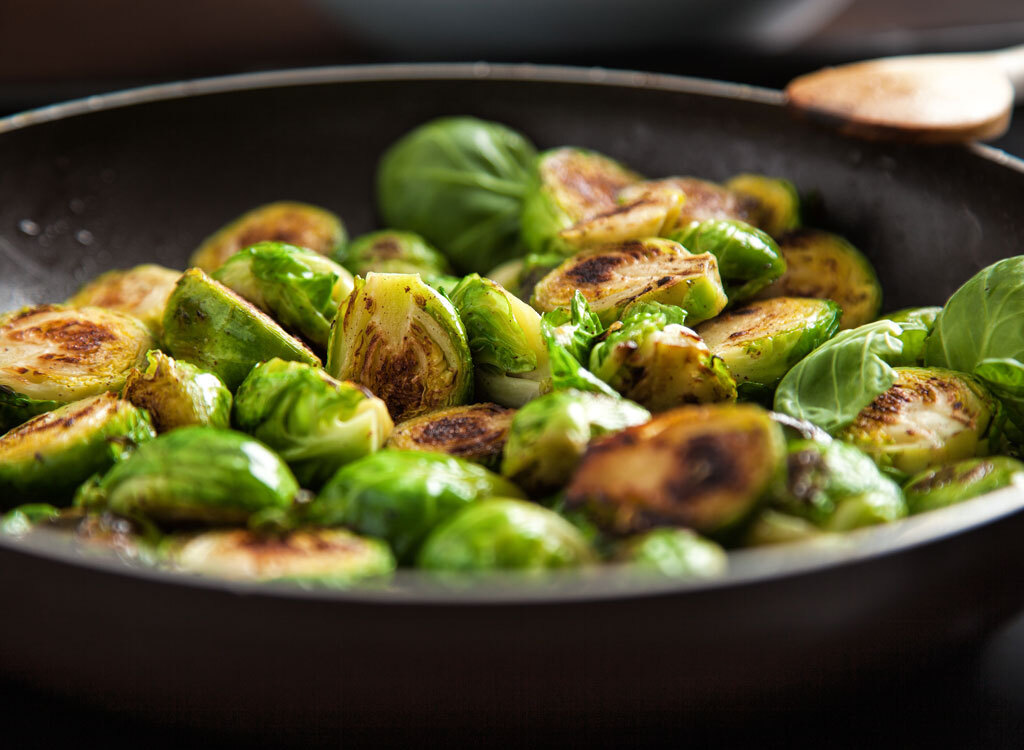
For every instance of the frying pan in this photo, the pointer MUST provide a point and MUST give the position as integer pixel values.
(144, 175)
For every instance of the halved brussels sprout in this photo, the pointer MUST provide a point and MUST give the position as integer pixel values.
(400, 496)
(770, 526)
(946, 485)
(141, 292)
(315, 423)
(656, 270)
(52, 355)
(778, 201)
(504, 534)
(22, 519)
(301, 289)
(177, 394)
(825, 266)
(917, 323)
(209, 325)
(649, 356)
(392, 251)
(326, 557)
(507, 274)
(534, 268)
(475, 433)
(548, 435)
(50, 455)
(762, 340)
(284, 221)
(748, 259)
(405, 342)
(703, 200)
(459, 182)
(678, 553)
(929, 416)
(703, 467)
(194, 474)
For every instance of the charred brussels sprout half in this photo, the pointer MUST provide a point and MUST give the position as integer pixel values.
(325, 557)
(400, 496)
(654, 270)
(209, 325)
(504, 534)
(778, 202)
(459, 182)
(52, 355)
(141, 292)
(825, 266)
(533, 268)
(392, 251)
(703, 467)
(298, 287)
(405, 342)
(177, 394)
(285, 221)
(954, 483)
(677, 553)
(702, 200)
(649, 356)
(50, 455)
(929, 416)
(476, 433)
(549, 434)
(194, 474)
(315, 423)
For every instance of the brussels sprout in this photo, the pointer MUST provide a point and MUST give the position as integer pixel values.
(703, 467)
(209, 325)
(506, 274)
(748, 259)
(917, 323)
(298, 287)
(503, 534)
(953, 483)
(141, 292)
(652, 358)
(50, 455)
(703, 200)
(326, 557)
(929, 416)
(475, 433)
(392, 251)
(284, 221)
(762, 340)
(315, 423)
(770, 526)
(19, 521)
(678, 553)
(177, 394)
(825, 266)
(459, 182)
(52, 355)
(194, 474)
(574, 328)
(656, 270)
(534, 268)
(549, 435)
(400, 496)
(405, 342)
(778, 201)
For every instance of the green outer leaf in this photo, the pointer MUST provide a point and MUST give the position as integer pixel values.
(638, 321)
(574, 328)
(19, 521)
(748, 259)
(16, 409)
(496, 336)
(917, 324)
(177, 394)
(675, 552)
(942, 486)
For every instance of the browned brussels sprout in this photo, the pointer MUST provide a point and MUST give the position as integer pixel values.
(141, 292)
(475, 433)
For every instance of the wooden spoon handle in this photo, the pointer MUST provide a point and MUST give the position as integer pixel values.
(1011, 60)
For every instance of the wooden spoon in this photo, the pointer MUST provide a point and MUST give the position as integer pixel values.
(949, 98)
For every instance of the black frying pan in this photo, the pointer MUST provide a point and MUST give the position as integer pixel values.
(143, 176)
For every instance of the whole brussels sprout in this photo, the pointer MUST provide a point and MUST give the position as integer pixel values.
(52, 355)
(194, 474)
(141, 292)
(284, 221)
(917, 323)
(702, 200)
(649, 356)
(320, 557)
(949, 484)
(769, 526)
(459, 182)
(315, 423)
(405, 342)
(392, 251)
(209, 325)
(301, 289)
(549, 435)
(400, 496)
(778, 201)
(613, 276)
(22, 519)
(177, 394)
(677, 553)
(476, 433)
(51, 454)
(504, 534)
(703, 467)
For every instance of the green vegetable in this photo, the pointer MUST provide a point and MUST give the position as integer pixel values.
(677, 553)
(769, 526)
(535, 267)
(20, 520)
(778, 201)
(315, 423)
(392, 251)
(946, 485)
(917, 324)
(141, 292)
(476, 433)
(703, 200)
(459, 182)
(177, 394)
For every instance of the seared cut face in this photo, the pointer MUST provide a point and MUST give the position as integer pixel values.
(477, 433)
(141, 292)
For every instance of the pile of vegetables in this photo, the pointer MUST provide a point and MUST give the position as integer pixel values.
(545, 361)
